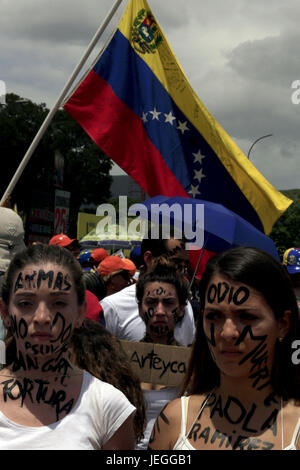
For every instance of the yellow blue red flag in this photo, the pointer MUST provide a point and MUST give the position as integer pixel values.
(138, 106)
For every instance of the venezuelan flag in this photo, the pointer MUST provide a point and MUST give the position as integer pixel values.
(139, 108)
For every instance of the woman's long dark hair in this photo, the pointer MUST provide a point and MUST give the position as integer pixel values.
(264, 273)
(94, 349)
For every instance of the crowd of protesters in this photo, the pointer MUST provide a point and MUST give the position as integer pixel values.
(67, 382)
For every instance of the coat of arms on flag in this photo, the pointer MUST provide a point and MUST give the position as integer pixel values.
(145, 33)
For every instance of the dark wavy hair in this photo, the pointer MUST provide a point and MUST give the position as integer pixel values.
(96, 350)
(95, 284)
(264, 273)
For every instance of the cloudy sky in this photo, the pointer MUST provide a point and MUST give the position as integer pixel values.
(240, 57)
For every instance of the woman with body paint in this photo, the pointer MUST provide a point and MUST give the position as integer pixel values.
(46, 402)
(242, 387)
(162, 293)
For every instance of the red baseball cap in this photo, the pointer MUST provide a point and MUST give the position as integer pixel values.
(130, 266)
(99, 254)
(94, 309)
(113, 265)
(62, 240)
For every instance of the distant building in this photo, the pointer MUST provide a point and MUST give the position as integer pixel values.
(124, 185)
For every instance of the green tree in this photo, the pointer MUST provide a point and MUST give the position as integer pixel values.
(286, 231)
(86, 169)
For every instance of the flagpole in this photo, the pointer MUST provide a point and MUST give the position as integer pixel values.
(198, 262)
(52, 112)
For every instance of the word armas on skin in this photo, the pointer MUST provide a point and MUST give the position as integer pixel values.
(33, 281)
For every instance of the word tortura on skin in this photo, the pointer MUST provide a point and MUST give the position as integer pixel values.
(188, 221)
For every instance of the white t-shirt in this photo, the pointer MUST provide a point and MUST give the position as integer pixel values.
(99, 412)
(122, 318)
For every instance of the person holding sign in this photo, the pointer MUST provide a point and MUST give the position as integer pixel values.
(121, 312)
(162, 294)
(242, 382)
(46, 402)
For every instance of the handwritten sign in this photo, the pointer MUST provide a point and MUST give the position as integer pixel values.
(157, 363)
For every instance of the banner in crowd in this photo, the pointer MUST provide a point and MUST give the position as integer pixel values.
(157, 363)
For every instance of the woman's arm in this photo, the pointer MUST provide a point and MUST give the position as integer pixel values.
(123, 438)
(166, 429)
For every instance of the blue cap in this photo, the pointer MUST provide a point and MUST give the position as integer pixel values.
(291, 259)
(84, 256)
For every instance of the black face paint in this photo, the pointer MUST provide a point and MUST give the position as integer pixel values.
(30, 281)
(222, 290)
(42, 276)
(14, 389)
(20, 329)
(211, 340)
(148, 314)
(65, 332)
(160, 290)
(258, 356)
(19, 282)
(60, 282)
(159, 330)
(175, 314)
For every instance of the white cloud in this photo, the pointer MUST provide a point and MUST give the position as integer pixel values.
(240, 57)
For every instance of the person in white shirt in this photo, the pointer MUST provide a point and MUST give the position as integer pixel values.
(161, 296)
(46, 401)
(121, 311)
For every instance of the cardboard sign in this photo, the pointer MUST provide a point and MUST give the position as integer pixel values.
(157, 363)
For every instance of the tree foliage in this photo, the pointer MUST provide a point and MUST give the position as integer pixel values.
(286, 231)
(86, 167)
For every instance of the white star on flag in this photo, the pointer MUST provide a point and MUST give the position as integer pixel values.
(194, 190)
(198, 175)
(183, 126)
(198, 157)
(155, 114)
(144, 117)
(170, 118)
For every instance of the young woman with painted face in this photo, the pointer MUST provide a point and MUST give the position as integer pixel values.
(46, 402)
(162, 293)
(242, 387)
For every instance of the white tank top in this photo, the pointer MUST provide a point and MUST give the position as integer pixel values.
(183, 443)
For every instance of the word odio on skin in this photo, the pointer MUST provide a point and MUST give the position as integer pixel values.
(223, 291)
